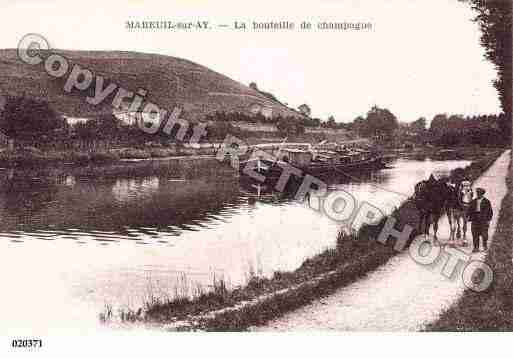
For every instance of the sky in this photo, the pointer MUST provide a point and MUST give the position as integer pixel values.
(420, 58)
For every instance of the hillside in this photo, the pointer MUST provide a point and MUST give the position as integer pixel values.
(170, 82)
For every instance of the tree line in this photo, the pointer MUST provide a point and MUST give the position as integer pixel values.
(34, 120)
(455, 130)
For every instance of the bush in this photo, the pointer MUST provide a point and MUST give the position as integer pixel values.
(102, 157)
(162, 152)
(77, 157)
(153, 144)
(20, 157)
(131, 153)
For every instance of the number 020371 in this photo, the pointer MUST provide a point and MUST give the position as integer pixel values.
(27, 343)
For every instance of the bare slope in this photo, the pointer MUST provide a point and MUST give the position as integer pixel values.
(170, 81)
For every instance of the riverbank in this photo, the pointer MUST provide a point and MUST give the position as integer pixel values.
(441, 153)
(491, 310)
(263, 299)
(31, 157)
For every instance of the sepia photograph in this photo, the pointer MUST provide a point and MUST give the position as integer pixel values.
(277, 178)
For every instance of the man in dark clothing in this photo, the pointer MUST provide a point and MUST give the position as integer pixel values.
(480, 214)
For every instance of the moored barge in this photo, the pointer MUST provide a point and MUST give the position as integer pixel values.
(315, 162)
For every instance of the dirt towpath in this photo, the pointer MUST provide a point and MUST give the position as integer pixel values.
(401, 295)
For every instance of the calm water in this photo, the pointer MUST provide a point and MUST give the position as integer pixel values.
(71, 242)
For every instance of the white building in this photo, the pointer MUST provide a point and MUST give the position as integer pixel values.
(135, 118)
(74, 120)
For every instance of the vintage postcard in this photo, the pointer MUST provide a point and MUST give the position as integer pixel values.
(263, 167)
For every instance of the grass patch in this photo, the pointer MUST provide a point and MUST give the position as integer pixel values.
(181, 307)
(162, 152)
(32, 157)
(132, 153)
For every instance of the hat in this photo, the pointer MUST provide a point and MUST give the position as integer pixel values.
(480, 190)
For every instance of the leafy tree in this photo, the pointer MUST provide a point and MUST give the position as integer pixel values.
(357, 125)
(290, 125)
(311, 122)
(108, 126)
(104, 127)
(439, 123)
(380, 122)
(305, 110)
(456, 130)
(27, 118)
(285, 125)
(449, 139)
(331, 122)
(315, 122)
(419, 125)
(495, 20)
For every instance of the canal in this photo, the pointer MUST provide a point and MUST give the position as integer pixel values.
(72, 242)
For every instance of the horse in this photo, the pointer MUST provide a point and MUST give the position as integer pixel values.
(430, 198)
(457, 210)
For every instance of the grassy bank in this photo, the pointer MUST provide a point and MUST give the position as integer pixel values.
(439, 153)
(492, 309)
(262, 299)
(33, 157)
